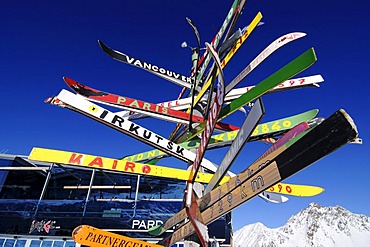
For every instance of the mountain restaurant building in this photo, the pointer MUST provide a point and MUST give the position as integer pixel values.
(41, 203)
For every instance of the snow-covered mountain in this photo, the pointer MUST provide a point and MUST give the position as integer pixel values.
(314, 226)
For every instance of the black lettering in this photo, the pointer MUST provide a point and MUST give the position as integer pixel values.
(110, 240)
(230, 199)
(115, 240)
(117, 119)
(158, 138)
(94, 238)
(104, 114)
(242, 192)
(105, 237)
(170, 145)
(147, 134)
(134, 128)
(98, 239)
(88, 235)
(122, 243)
(179, 150)
(257, 183)
(220, 209)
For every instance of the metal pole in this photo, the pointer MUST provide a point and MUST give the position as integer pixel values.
(89, 191)
(136, 194)
(44, 189)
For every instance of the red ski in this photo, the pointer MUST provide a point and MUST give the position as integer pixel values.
(139, 106)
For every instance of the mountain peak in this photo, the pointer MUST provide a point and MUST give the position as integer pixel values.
(314, 226)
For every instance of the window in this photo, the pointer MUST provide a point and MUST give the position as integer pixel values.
(35, 243)
(46, 243)
(20, 243)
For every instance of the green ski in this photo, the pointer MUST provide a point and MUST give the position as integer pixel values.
(269, 129)
(291, 69)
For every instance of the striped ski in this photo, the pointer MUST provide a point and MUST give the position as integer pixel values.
(228, 35)
(272, 128)
(231, 53)
(208, 81)
(214, 109)
(192, 209)
(302, 151)
(206, 57)
(296, 66)
(235, 10)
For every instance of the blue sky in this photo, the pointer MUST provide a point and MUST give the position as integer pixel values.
(43, 41)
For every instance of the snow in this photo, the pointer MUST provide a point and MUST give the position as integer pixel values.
(314, 226)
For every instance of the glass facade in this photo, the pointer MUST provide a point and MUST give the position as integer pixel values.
(50, 200)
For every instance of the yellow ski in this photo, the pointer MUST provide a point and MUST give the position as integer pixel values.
(295, 190)
(99, 162)
(231, 53)
(94, 237)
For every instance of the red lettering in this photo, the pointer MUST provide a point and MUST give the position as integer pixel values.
(239, 42)
(146, 169)
(97, 161)
(280, 187)
(130, 165)
(75, 159)
(288, 189)
(115, 162)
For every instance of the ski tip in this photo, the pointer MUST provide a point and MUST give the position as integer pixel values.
(315, 111)
(155, 230)
(102, 45)
(313, 53)
(76, 231)
(350, 121)
(299, 35)
(68, 80)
